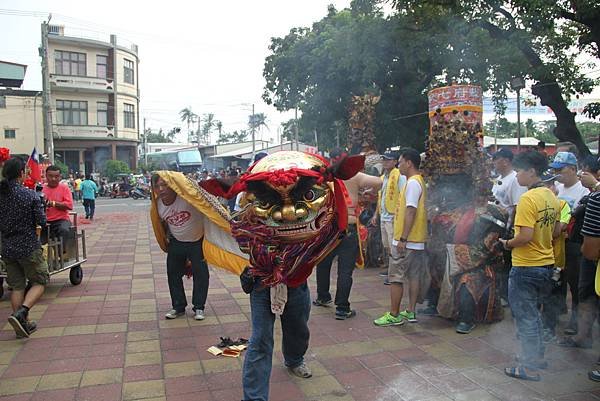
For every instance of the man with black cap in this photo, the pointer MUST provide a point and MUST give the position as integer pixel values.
(393, 182)
(570, 190)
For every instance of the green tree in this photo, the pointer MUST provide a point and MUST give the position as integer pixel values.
(232, 137)
(354, 51)
(304, 134)
(208, 126)
(189, 117)
(160, 136)
(499, 40)
(114, 167)
(64, 169)
(257, 121)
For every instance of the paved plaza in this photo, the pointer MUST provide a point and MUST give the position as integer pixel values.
(107, 339)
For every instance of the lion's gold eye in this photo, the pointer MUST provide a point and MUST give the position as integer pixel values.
(310, 195)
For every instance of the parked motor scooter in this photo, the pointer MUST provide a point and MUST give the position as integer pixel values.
(137, 193)
(118, 192)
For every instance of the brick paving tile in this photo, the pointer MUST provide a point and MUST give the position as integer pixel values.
(285, 391)
(186, 385)
(18, 397)
(147, 372)
(107, 339)
(103, 392)
(55, 395)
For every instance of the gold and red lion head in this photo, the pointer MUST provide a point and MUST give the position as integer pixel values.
(293, 212)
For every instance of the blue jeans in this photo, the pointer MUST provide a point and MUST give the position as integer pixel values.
(294, 324)
(529, 287)
(347, 252)
(90, 207)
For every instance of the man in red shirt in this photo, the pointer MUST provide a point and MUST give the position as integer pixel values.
(59, 201)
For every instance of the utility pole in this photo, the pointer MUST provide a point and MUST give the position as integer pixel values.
(296, 129)
(198, 130)
(47, 116)
(252, 126)
(145, 144)
(316, 140)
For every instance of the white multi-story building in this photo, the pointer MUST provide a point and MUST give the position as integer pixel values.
(21, 127)
(94, 100)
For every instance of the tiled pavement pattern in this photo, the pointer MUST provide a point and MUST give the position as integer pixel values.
(107, 340)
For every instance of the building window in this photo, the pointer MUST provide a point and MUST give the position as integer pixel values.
(102, 109)
(2, 102)
(101, 66)
(70, 112)
(10, 134)
(129, 116)
(69, 63)
(128, 71)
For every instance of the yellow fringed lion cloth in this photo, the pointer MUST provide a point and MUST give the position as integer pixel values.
(220, 248)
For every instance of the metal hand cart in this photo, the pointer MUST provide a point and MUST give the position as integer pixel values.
(67, 253)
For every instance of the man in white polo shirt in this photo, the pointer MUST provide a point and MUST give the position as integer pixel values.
(506, 189)
(507, 192)
(185, 227)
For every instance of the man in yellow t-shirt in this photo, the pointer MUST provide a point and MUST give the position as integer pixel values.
(408, 263)
(77, 188)
(537, 223)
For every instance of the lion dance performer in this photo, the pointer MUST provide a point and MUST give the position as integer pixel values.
(192, 227)
(293, 214)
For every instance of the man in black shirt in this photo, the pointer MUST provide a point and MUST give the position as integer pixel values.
(22, 212)
(588, 287)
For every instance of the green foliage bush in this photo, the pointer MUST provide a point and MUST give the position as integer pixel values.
(64, 169)
(114, 167)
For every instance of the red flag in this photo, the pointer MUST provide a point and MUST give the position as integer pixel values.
(33, 165)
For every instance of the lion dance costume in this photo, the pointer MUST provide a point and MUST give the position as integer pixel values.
(293, 214)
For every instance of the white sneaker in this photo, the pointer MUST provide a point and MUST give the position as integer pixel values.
(199, 315)
(173, 314)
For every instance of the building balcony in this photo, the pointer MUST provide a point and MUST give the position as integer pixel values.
(83, 132)
(81, 83)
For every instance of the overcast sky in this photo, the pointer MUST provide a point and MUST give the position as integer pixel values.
(208, 55)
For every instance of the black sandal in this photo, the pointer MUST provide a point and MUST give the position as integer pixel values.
(225, 342)
(519, 372)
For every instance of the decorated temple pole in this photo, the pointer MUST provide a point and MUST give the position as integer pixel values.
(453, 148)
(361, 139)
(465, 227)
(361, 124)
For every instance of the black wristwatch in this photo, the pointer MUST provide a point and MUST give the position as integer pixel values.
(403, 240)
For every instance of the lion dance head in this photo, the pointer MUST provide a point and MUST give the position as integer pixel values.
(293, 212)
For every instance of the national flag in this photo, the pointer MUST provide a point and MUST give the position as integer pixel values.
(33, 165)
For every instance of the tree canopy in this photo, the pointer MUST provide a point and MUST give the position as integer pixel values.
(422, 45)
(353, 51)
(160, 136)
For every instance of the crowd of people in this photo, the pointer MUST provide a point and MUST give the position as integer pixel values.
(545, 255)
(551, 247)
